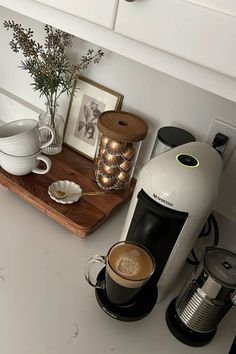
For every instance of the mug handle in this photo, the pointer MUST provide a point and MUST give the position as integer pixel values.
(93, 260)
(47, 143)
(48, 163)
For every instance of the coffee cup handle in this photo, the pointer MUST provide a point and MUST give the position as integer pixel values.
(88, 271)
(48, 163)
(47, 143)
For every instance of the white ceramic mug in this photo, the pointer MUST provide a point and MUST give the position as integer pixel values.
(22, 165)
(22, 137)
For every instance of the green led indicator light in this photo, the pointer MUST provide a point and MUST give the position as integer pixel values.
(187, 160)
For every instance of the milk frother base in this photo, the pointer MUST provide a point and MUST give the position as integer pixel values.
(138, 309)
(182, 332)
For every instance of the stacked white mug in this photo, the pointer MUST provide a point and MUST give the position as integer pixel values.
(20, 147)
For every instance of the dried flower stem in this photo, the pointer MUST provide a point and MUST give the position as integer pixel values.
(49, 64)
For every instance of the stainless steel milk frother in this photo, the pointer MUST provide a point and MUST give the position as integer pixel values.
(205, 299)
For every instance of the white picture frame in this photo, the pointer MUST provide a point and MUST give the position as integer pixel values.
(87, 102)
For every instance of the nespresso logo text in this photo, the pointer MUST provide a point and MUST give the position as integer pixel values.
(162, 200)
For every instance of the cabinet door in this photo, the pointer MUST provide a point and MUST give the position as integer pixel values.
(226, 6)
(101, 12)
(197, 33)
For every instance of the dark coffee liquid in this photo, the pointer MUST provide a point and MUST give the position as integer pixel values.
(119, 294)
(128, 269)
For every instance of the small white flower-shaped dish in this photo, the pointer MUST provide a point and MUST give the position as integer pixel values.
(68, 187)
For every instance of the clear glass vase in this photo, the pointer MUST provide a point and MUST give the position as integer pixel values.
(55, 121)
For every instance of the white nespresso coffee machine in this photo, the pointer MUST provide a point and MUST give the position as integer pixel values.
(173, 198)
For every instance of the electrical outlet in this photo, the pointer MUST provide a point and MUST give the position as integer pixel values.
(219, 126)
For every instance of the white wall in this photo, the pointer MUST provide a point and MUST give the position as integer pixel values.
(155, 96)
(160, 99)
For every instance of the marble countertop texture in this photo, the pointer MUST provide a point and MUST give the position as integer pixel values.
(46, 306)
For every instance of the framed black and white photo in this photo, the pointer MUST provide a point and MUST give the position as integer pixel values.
(86, 104)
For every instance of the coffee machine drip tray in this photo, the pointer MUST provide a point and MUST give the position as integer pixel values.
(139, 308)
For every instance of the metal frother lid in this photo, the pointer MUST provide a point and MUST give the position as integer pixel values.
(174, 136)
(220, 264)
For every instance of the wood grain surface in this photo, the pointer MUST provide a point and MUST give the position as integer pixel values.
(82, 217)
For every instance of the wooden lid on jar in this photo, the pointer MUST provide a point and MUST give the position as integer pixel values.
(122, 126)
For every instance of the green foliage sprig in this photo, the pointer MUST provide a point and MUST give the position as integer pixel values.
(49, 65)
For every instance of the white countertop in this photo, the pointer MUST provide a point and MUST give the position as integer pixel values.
(46, 306)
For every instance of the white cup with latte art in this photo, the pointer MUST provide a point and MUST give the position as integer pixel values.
(128, 268)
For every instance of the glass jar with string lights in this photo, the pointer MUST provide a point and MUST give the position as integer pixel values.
(120, 137)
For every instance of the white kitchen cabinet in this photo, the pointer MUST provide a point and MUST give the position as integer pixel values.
(225, 6)
(191, 40)
(101, 12)
(196, 33)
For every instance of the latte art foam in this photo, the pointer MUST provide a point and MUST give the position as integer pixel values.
(127, 265)
(129, 262)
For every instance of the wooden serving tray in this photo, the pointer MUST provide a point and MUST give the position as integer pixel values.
(82, 217)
